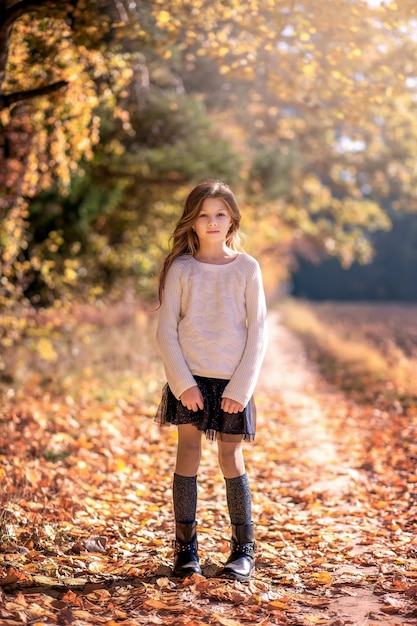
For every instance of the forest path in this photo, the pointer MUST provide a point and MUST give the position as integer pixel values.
(312, 488)
(312, 407)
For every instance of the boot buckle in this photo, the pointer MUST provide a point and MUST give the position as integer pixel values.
(247, 549)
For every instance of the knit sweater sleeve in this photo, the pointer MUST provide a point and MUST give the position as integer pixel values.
(242, 384)
(178, 374)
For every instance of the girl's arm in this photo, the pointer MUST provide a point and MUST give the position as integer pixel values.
(178, 375)
(242, 384)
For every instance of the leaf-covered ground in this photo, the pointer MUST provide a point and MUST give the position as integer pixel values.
(86, 521)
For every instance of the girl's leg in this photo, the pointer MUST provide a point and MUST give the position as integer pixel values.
(230, 455)
(232, 464)
(188, 450)
(185, 500)
(240, 564)
(185, 477)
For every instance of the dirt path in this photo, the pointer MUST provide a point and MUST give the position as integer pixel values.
(333, 545)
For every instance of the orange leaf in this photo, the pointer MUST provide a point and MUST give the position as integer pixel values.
(278, 604)
(323, 578)
(157, 604)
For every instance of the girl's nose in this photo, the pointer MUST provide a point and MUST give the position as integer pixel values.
(212, 222)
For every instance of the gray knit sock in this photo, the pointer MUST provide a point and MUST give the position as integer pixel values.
(239, 499)
(184, 493)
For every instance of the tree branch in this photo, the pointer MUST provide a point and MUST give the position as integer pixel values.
(9, 99)
(8, 15)
(11, 14)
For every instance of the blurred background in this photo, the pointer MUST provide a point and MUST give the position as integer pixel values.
(110, 110)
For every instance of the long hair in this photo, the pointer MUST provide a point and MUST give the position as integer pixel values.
(184, 240)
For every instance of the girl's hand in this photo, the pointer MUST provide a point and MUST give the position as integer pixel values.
(231, 406)
(192, 399)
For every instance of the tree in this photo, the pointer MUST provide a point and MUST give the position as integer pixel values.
(319, 88)
(312, 93)
(113, 222)
(59, 61)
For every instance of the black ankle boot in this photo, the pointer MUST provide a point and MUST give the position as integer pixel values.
(241, 562)
(185, 550)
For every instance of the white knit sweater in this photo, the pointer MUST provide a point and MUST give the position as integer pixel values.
(212, 323)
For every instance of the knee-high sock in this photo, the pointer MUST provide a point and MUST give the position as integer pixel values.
(239, 499)
(184, 491)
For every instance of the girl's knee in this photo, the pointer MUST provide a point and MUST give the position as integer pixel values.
(231, 459)
(188, 451)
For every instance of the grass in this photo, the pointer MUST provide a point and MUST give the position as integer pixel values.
(104, 352)
(107, 353)
(342, 339)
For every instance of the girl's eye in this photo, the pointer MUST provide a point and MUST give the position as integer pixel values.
(220, 214)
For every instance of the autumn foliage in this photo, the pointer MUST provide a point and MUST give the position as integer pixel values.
(109, 109)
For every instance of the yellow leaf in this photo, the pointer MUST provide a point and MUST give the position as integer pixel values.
(46, 350)
(278, 604)
(119, 465)
(323, 577)
(308, 70)
(5, 117)
(163, 17)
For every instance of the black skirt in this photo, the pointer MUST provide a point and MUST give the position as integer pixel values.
(212, 420)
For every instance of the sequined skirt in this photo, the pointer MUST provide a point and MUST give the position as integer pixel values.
(212, 420)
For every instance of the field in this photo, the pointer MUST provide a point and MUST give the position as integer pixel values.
(105, 352)
(369, 349)
(390, 328)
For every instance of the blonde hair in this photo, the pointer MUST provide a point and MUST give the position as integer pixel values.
(184, 240)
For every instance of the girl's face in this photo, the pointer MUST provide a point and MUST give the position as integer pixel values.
(213, 222)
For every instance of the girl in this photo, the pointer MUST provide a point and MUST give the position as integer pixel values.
(212, 336)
